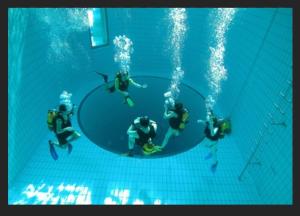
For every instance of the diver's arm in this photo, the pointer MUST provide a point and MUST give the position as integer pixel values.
(212, 130)
(136, 84)
(59, 129)
(169, 114)
(200, 121)
(72, 111)
(153, 123)
(131, 130)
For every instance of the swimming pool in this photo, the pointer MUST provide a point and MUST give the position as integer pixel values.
(249, 50)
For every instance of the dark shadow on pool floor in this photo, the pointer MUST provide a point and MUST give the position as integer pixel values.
(104, 118)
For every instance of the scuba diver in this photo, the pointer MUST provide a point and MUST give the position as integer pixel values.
(121, 84)
(60, 123)
(178, 118)
(215, 129)
(141, 132)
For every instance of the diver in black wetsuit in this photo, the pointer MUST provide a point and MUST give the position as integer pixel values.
(121, 84)
(178, 118)
(65, 133)
(215, 129)
(142, 132)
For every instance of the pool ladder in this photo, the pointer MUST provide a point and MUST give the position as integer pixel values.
(283, 96)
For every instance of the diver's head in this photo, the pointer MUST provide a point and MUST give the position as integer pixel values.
(124, 74)
(62, 109)
(178, 106)
(144, 121)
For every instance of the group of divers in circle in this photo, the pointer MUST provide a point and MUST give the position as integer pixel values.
(142, 130)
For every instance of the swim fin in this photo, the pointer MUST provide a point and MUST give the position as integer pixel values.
(105, 77)
(128, 154)
(208, 156)
(52, 150)
(70, 147)
(213, 167)
(129, 101)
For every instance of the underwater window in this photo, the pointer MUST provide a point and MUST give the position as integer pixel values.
(98, 26)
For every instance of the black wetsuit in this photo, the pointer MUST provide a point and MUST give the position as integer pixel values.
(123, 85)
(174, 122)
(217, 136)
(144, 137)
(62, 137)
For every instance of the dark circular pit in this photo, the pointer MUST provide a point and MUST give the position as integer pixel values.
(104, 118)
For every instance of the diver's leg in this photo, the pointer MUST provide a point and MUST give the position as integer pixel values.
(167, 137)
(107, 86)
(131, 142)
(127, 99)
(214, 149)
(74, 136)
(209, 144)
(55, 143)
(71, 138)
(176, 133)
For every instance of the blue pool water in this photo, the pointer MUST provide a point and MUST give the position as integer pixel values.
(239, 60)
